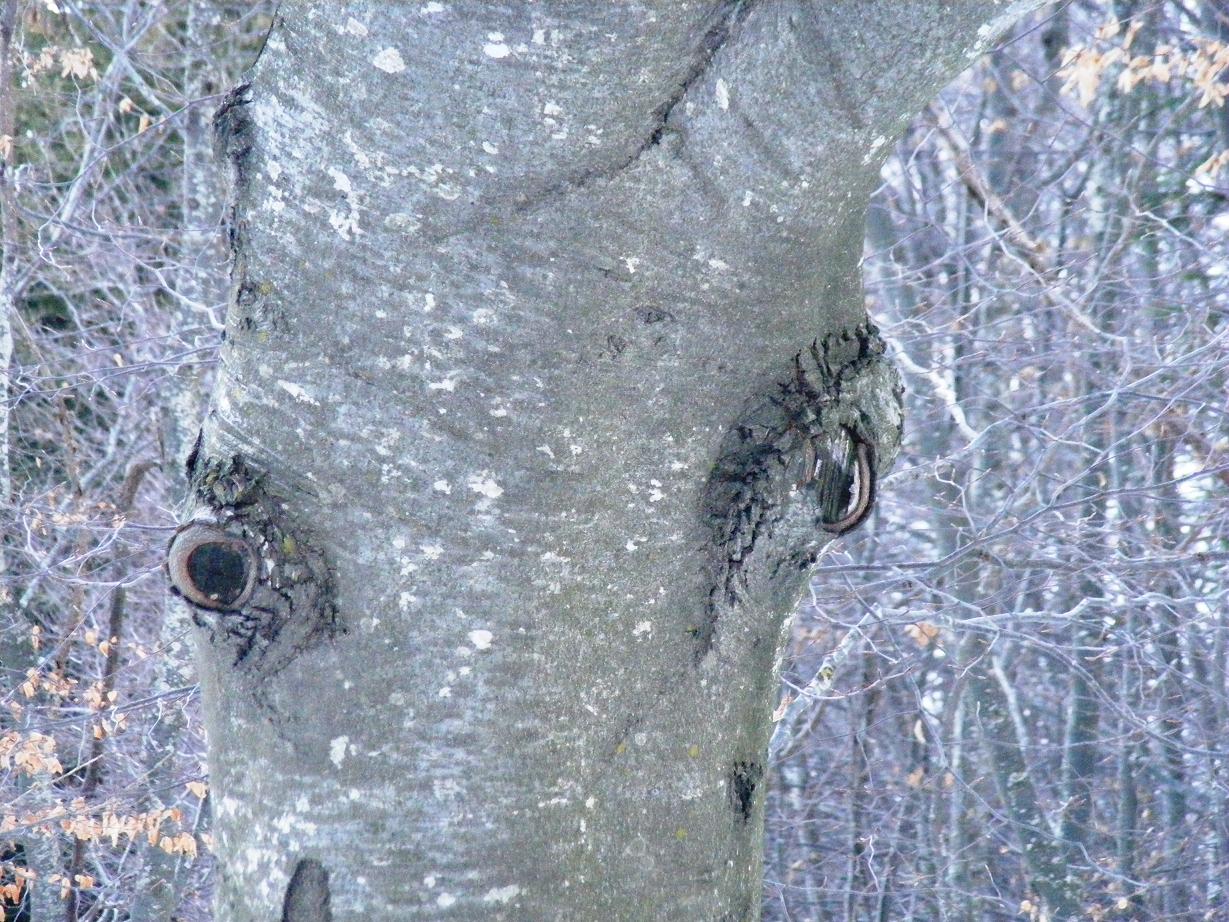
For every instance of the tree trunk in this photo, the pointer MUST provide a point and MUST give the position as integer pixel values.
(547, 374)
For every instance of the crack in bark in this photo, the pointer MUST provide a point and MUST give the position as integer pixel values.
(725, 18)
(727, 15)
(307, 894)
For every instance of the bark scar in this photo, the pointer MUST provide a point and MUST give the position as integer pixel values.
(307, 894)
(798, 466)
(254, 576)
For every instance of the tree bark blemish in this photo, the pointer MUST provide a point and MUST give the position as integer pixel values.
(255, 581)
(233, 133)
(808, 448)
(307, 894)
(725, 18)
(234, 141)
(744, 782)
(727, 15)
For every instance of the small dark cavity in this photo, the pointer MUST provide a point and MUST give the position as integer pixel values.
(649, 314)
(744, 780)
(219, 571)
(307, 894)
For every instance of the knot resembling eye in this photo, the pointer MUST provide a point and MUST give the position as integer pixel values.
(210, 567)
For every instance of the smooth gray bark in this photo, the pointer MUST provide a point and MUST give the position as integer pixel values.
(543, 315)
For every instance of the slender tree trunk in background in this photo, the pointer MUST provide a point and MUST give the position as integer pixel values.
(1172, 704)
(1080, 748)
(541, 322)
(8, 259)
(861, 837)
(41, 855)
(13, 650)
(198, 290)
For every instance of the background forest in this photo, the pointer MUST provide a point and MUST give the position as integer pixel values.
(1016, 679)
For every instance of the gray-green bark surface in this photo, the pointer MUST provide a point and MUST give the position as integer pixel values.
(543, 315)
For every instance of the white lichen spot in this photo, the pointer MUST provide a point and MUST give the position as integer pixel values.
(501, 894)
(546, 450)
(337, 749)
(631, 545)
(444, 900)
(406, 601)
(274, 169)
(642, 628)
(747, 198)
(481, 639)
(719, 264)
(590, 803)
(552, 557)
(345, 223)
(426, 10)
(276, 202)
(442, 486)
(402, 223)
(298, 392)
(723, 95)
(656, 495)
(341, 182)
(390, 61)
(445, 692)
(877, 143)
(429, 881)
(354, 27)
(432, 551)
(453, 333)
(482, 483)
(552, 109)
(448, 384)
(495, 46)
(490, 148)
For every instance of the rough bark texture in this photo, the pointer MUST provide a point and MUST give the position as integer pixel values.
(547, 341)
